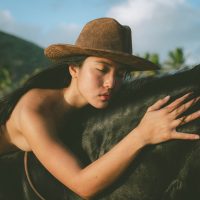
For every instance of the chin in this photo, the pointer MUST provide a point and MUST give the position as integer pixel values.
(101, 105)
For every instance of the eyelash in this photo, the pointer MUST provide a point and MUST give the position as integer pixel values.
(121, 74)
(102, 70)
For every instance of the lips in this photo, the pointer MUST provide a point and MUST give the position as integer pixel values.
(105, 96)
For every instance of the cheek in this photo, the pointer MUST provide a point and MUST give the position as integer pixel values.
(89, 83)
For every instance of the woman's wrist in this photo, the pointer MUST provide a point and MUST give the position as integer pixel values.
(137, 137)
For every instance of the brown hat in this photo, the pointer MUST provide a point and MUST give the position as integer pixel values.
(103, 37)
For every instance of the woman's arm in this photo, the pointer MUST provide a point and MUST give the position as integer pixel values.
(60, 162)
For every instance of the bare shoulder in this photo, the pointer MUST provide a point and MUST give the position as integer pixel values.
(44, 102)
(40, 98)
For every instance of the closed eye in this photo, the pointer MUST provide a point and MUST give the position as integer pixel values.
(104, 70)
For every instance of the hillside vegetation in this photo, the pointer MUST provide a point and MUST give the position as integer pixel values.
(20, 57)
(18, 60)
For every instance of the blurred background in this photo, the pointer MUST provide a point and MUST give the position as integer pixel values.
(165, 32)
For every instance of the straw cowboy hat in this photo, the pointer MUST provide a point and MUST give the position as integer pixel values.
(103, 37)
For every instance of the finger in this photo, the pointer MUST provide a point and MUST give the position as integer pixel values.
(185, 106)
(185, 119)
(177, 102)
(158, 104)
(185, 136)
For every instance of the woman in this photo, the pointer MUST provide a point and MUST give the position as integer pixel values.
(97, 64)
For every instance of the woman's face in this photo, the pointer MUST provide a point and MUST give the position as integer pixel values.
(97, 80)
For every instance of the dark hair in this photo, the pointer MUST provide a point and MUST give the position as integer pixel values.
(55, 77)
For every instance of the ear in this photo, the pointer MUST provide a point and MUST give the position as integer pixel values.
(73, 70)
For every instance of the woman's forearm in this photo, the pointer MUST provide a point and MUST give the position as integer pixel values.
(104, 171)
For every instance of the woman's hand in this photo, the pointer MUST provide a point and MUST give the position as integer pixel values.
(159, 124)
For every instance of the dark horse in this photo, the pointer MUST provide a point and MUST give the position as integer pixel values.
(167, 171)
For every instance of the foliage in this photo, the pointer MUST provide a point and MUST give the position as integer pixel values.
(18, 60)
(176, 60)
(21, 56)
(7, 84)
(5, 81)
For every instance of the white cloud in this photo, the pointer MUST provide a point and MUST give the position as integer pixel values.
(10, 25)
(160, 26)
(6, 15)
(5, 19)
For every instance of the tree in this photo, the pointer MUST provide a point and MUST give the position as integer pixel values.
(154, 58)
(5, 81)
(176, 59)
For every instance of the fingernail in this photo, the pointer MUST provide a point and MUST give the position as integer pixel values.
(188, 94)
(167, 97)
(196, 137)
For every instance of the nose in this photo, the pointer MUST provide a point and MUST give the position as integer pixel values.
(110, 81)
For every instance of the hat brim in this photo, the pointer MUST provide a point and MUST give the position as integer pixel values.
(58, 52)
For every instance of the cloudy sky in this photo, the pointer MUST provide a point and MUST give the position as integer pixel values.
(158, 26)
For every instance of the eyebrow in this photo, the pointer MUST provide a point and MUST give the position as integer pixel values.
(109, 65)
(104, 62)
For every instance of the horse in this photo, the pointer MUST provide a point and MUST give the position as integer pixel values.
(166, 171)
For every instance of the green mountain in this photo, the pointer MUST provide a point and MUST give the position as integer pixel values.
(20, 57)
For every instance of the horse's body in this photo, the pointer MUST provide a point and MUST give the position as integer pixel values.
(167, 171)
